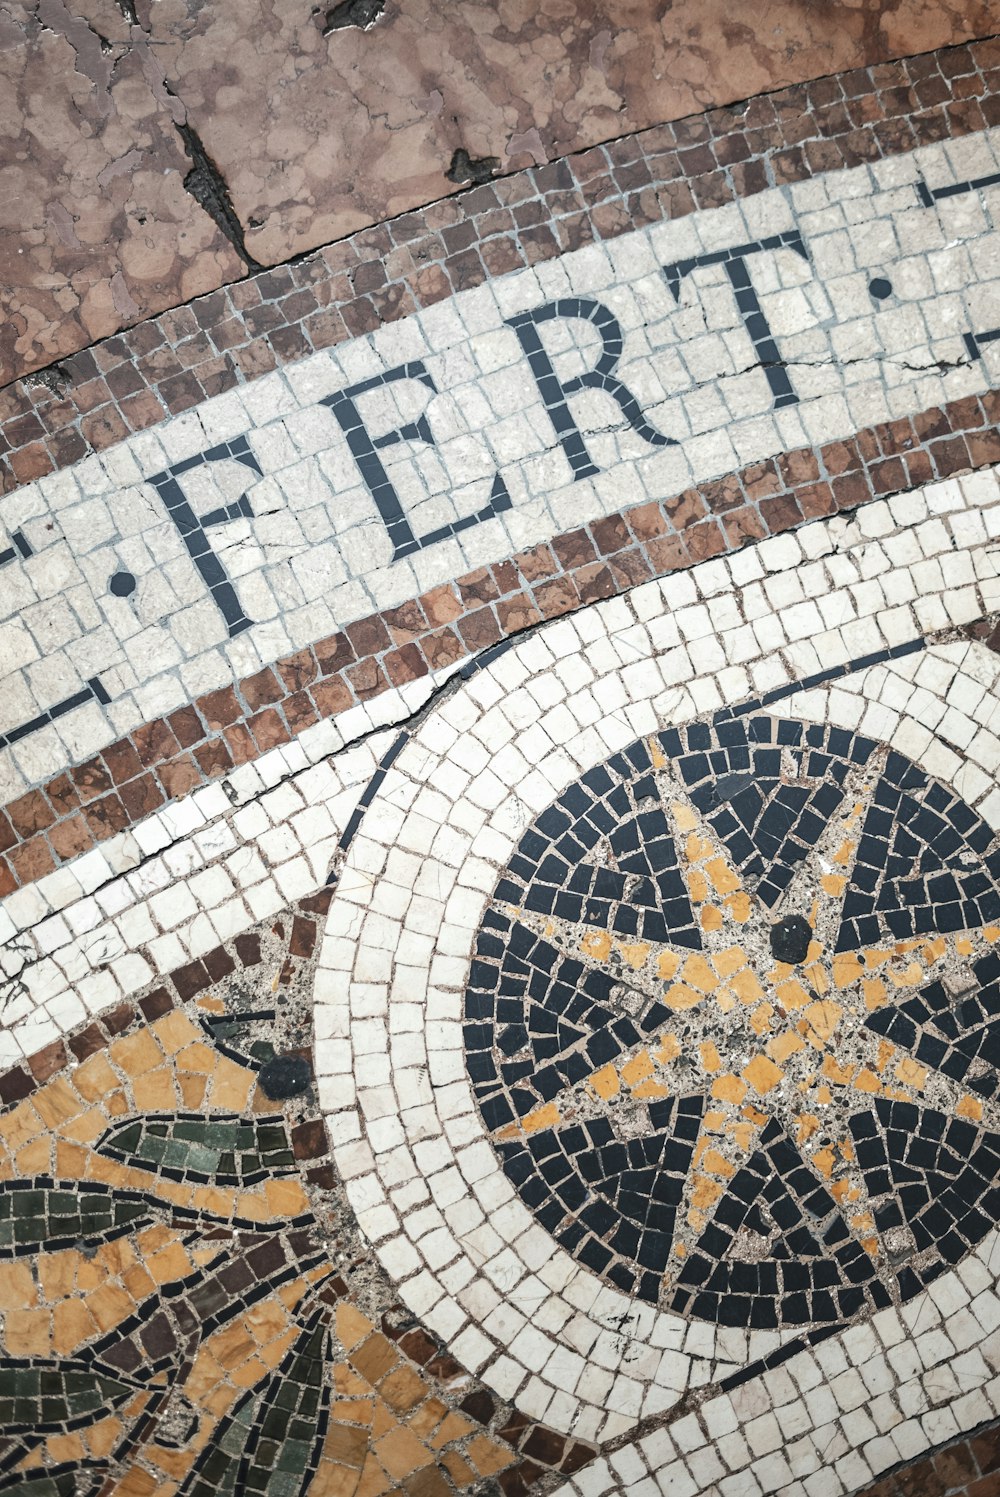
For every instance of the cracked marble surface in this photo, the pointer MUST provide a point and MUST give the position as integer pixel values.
(315, 136)
(97, 228)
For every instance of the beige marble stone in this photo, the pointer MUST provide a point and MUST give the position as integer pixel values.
(96, 229)
(315, 135)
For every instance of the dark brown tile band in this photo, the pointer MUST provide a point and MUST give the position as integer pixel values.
(165, 759)
(967, 1467)
(175, 361)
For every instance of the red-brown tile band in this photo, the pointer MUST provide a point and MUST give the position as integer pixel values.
(164, 760)
(176, 360)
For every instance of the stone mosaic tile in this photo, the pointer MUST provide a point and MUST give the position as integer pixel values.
(696, 884)
(175, 579)
(904, 567)
(186, 1303)
(526, 763)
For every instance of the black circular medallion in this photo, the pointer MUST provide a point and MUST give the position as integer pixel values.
(732, 1022)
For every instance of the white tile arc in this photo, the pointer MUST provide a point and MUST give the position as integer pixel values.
(465, 1253)
(198, 871)
(89, 934)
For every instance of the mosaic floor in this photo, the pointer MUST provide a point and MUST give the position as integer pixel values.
(500, 837)
(666, 1152)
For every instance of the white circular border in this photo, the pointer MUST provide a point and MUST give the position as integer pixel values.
(466, 1255)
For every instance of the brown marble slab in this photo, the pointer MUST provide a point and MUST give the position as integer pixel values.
(315, 135)
(96, 229)
(360, 125)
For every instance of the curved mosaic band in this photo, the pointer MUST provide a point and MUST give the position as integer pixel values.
(84, 937)
(400, 939)
(197, 744)
(351, 480)
(206, 520)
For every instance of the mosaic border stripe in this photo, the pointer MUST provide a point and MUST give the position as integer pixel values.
(170, 363)
(168, 758)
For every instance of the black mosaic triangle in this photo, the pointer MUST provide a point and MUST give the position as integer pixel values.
(542, 1021)
(776, 1244)
(613, 866)
(959, 1037)
(931, 1175)
(610, 1199)
(768, 823)
(924, 863)
(643, 1178)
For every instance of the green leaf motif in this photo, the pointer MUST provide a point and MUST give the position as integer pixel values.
(220, 1150)
(36, 1394)
(45, 1214)
(269, 1445)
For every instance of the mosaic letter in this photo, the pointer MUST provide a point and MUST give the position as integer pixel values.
(734, 262)
(554, 391)
(193, 527)
(365, 449)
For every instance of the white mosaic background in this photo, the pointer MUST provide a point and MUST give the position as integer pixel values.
(421, 1175)
(316, 556)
